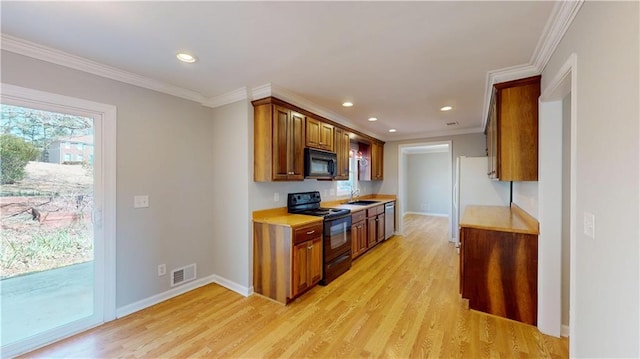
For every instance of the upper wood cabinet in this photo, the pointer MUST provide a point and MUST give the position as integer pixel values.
(343, 146)
(512, 130)
(278, 144)
(376, 161)
(282, 131)
(319, 135)
(370, 168)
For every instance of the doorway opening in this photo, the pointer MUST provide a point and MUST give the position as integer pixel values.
(425, 181)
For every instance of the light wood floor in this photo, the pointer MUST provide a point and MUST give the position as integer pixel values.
(400, 300)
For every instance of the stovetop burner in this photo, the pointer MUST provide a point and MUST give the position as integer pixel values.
(309, 203)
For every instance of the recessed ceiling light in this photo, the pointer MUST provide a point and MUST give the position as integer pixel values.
(347, 104)
(184, 57)
(373, 119)
(446, 108)
(392, 130)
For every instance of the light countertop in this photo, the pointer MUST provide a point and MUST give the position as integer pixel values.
(499, 218)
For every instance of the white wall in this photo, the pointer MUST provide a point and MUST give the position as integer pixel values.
(164, 151)
(230, 223)
(428, 183)
(605, 38)
(525, 195)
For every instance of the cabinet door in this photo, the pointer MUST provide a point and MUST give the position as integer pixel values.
(296, 147)
(376, 161)
(359, 239)
(281, 147)
(342, 146)
(380, 227)
(326, 136)
(314, 255)
(516, 129)
(288, 148)
(312, 138)
(300, 268)
(372, 231)
(319, 135)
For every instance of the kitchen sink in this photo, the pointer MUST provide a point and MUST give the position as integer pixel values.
(362, 203)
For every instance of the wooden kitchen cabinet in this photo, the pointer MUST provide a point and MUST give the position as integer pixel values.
(375, 225)
(359, 243)
(319, 135)
(512, 130)
(376, 161)
(287, 261)
(278, 143)
(343, 146)
(307, 265)
(499, 263)
(372, 165)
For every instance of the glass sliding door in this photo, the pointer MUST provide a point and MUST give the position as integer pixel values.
(52, 259)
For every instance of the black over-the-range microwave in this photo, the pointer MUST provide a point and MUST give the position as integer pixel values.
(319, 164)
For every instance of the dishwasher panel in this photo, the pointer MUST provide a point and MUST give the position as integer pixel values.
(389, 219)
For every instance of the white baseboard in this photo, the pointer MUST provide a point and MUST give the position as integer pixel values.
(240, 289)
(428, 214)
(187, 287)
(564, 331)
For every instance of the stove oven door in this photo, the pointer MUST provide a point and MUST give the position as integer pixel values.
(337, 237)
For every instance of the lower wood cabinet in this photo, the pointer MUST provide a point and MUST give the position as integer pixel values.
(375, 225)
(359, 243)
(307, 265)
(499, 273)
(286, 261)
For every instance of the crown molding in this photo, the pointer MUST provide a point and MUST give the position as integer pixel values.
(261, 91)
(283, 94)
(561, 18)
(558, 23)
(227, 98)
(48, 54)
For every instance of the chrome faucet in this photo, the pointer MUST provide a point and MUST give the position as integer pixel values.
(356, 193)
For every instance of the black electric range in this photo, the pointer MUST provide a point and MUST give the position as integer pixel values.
(309, 203)
(336, 238)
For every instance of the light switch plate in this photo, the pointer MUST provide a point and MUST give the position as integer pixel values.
(140, 201)
(589, 225)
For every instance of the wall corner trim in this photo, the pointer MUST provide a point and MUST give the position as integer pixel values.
(227, 98)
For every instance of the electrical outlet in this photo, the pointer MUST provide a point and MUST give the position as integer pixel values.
(276, 196)
(140, 201)
(162, 270)
(590, 225)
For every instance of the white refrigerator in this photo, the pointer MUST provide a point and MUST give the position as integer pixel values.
(473, 187)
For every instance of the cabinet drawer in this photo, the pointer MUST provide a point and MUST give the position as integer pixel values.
(357, 216)
(304, 234)
(375, 211)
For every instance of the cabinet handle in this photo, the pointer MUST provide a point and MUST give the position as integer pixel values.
(310, 247)
(311, 232)
(291, 173)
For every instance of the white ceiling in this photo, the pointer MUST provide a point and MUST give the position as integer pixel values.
(397, 61)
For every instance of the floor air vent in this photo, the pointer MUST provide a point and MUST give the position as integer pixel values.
(182, 275)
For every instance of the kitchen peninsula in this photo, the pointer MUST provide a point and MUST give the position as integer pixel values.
(499, 261)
